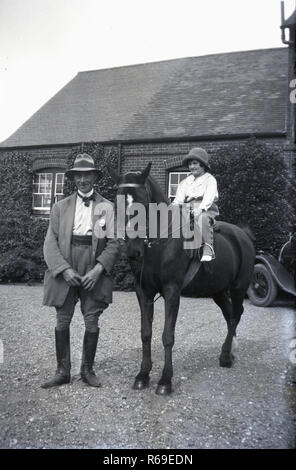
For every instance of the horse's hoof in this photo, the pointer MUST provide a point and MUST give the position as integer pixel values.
(163, 390)
(226, 360)
(141, 384)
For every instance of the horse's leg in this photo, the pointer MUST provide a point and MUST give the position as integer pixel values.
(232, 311)
(171, 295)
(147, 307)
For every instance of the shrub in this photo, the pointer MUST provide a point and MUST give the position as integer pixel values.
(123, 278)
(21, 235)
(255, 189)
(18, 269)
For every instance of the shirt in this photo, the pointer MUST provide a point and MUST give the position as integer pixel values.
(83, 216)
(204, 186)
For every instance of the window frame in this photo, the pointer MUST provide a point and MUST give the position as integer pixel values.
(175, 172)
(54, 196)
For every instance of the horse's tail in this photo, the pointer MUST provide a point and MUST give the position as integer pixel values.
(247, 253)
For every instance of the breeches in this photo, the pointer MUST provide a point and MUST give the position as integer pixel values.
(90, 307)
(207, 221)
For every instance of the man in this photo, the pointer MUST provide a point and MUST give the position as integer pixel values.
(80, 251)
(200, 189)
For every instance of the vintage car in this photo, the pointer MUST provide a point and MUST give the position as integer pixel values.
(273, 275)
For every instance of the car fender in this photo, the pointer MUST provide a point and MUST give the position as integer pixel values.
(279, 273)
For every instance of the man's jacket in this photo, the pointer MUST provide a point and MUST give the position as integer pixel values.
(57, 249)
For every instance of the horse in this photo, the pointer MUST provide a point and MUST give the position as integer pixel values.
(160, 265)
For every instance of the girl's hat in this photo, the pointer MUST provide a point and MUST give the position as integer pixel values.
(197, 154)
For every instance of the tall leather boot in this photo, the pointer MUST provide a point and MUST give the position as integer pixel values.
(62, 375)
(87, 373)
(208, 241)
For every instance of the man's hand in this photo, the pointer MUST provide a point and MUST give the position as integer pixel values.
(72, 277)
(89, 279)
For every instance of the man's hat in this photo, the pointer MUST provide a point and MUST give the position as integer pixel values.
(83, 162)
(197, 154)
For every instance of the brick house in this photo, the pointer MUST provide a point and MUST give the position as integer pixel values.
(158, 111)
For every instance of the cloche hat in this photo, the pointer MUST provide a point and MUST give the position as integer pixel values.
(199, 154)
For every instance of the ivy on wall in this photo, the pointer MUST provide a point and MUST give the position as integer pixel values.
(21, 257)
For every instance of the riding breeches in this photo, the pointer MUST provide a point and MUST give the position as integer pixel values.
(90, 307)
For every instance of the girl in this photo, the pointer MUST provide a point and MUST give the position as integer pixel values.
(200, 188)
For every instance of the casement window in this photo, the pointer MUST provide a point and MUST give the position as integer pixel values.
(59, 186)
(175, 177)
(47, 189)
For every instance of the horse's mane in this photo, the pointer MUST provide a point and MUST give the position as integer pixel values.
(155, 192)
(152, 187)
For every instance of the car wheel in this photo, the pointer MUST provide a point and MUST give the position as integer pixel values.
(263, 289)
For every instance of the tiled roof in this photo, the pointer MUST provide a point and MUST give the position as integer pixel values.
(233, 93)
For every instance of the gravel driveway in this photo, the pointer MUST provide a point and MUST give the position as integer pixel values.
(251, 405)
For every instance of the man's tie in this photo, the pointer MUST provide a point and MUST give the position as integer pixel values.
(86, 200)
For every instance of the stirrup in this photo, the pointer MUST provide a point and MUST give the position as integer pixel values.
(205, 258)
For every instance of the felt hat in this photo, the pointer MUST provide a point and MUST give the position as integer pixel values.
(83, 162)
(199, 154)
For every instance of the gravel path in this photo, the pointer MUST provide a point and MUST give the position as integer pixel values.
(251, 405)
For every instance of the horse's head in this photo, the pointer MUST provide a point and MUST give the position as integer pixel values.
(133, 199)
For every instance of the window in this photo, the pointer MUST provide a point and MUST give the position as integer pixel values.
(59, 187)
(175, 177)
(47, 189)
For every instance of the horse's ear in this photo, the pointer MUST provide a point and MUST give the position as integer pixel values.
(146, 171)
(113, 173)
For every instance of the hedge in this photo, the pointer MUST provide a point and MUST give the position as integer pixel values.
(20, 233)
(256, 189)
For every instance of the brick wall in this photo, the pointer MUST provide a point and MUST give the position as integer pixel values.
(47, 157)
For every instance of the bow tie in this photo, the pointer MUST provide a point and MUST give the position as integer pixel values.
(86, 199)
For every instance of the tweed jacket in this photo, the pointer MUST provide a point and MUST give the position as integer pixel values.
(57, 249)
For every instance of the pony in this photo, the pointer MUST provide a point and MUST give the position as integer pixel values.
(160, 266)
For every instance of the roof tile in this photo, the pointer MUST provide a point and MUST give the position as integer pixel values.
(233, 93)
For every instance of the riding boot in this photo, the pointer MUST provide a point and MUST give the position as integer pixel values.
(87, 373)
(208, 242)
(62, 375)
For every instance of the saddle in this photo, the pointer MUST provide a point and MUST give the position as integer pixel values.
(195, 263)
